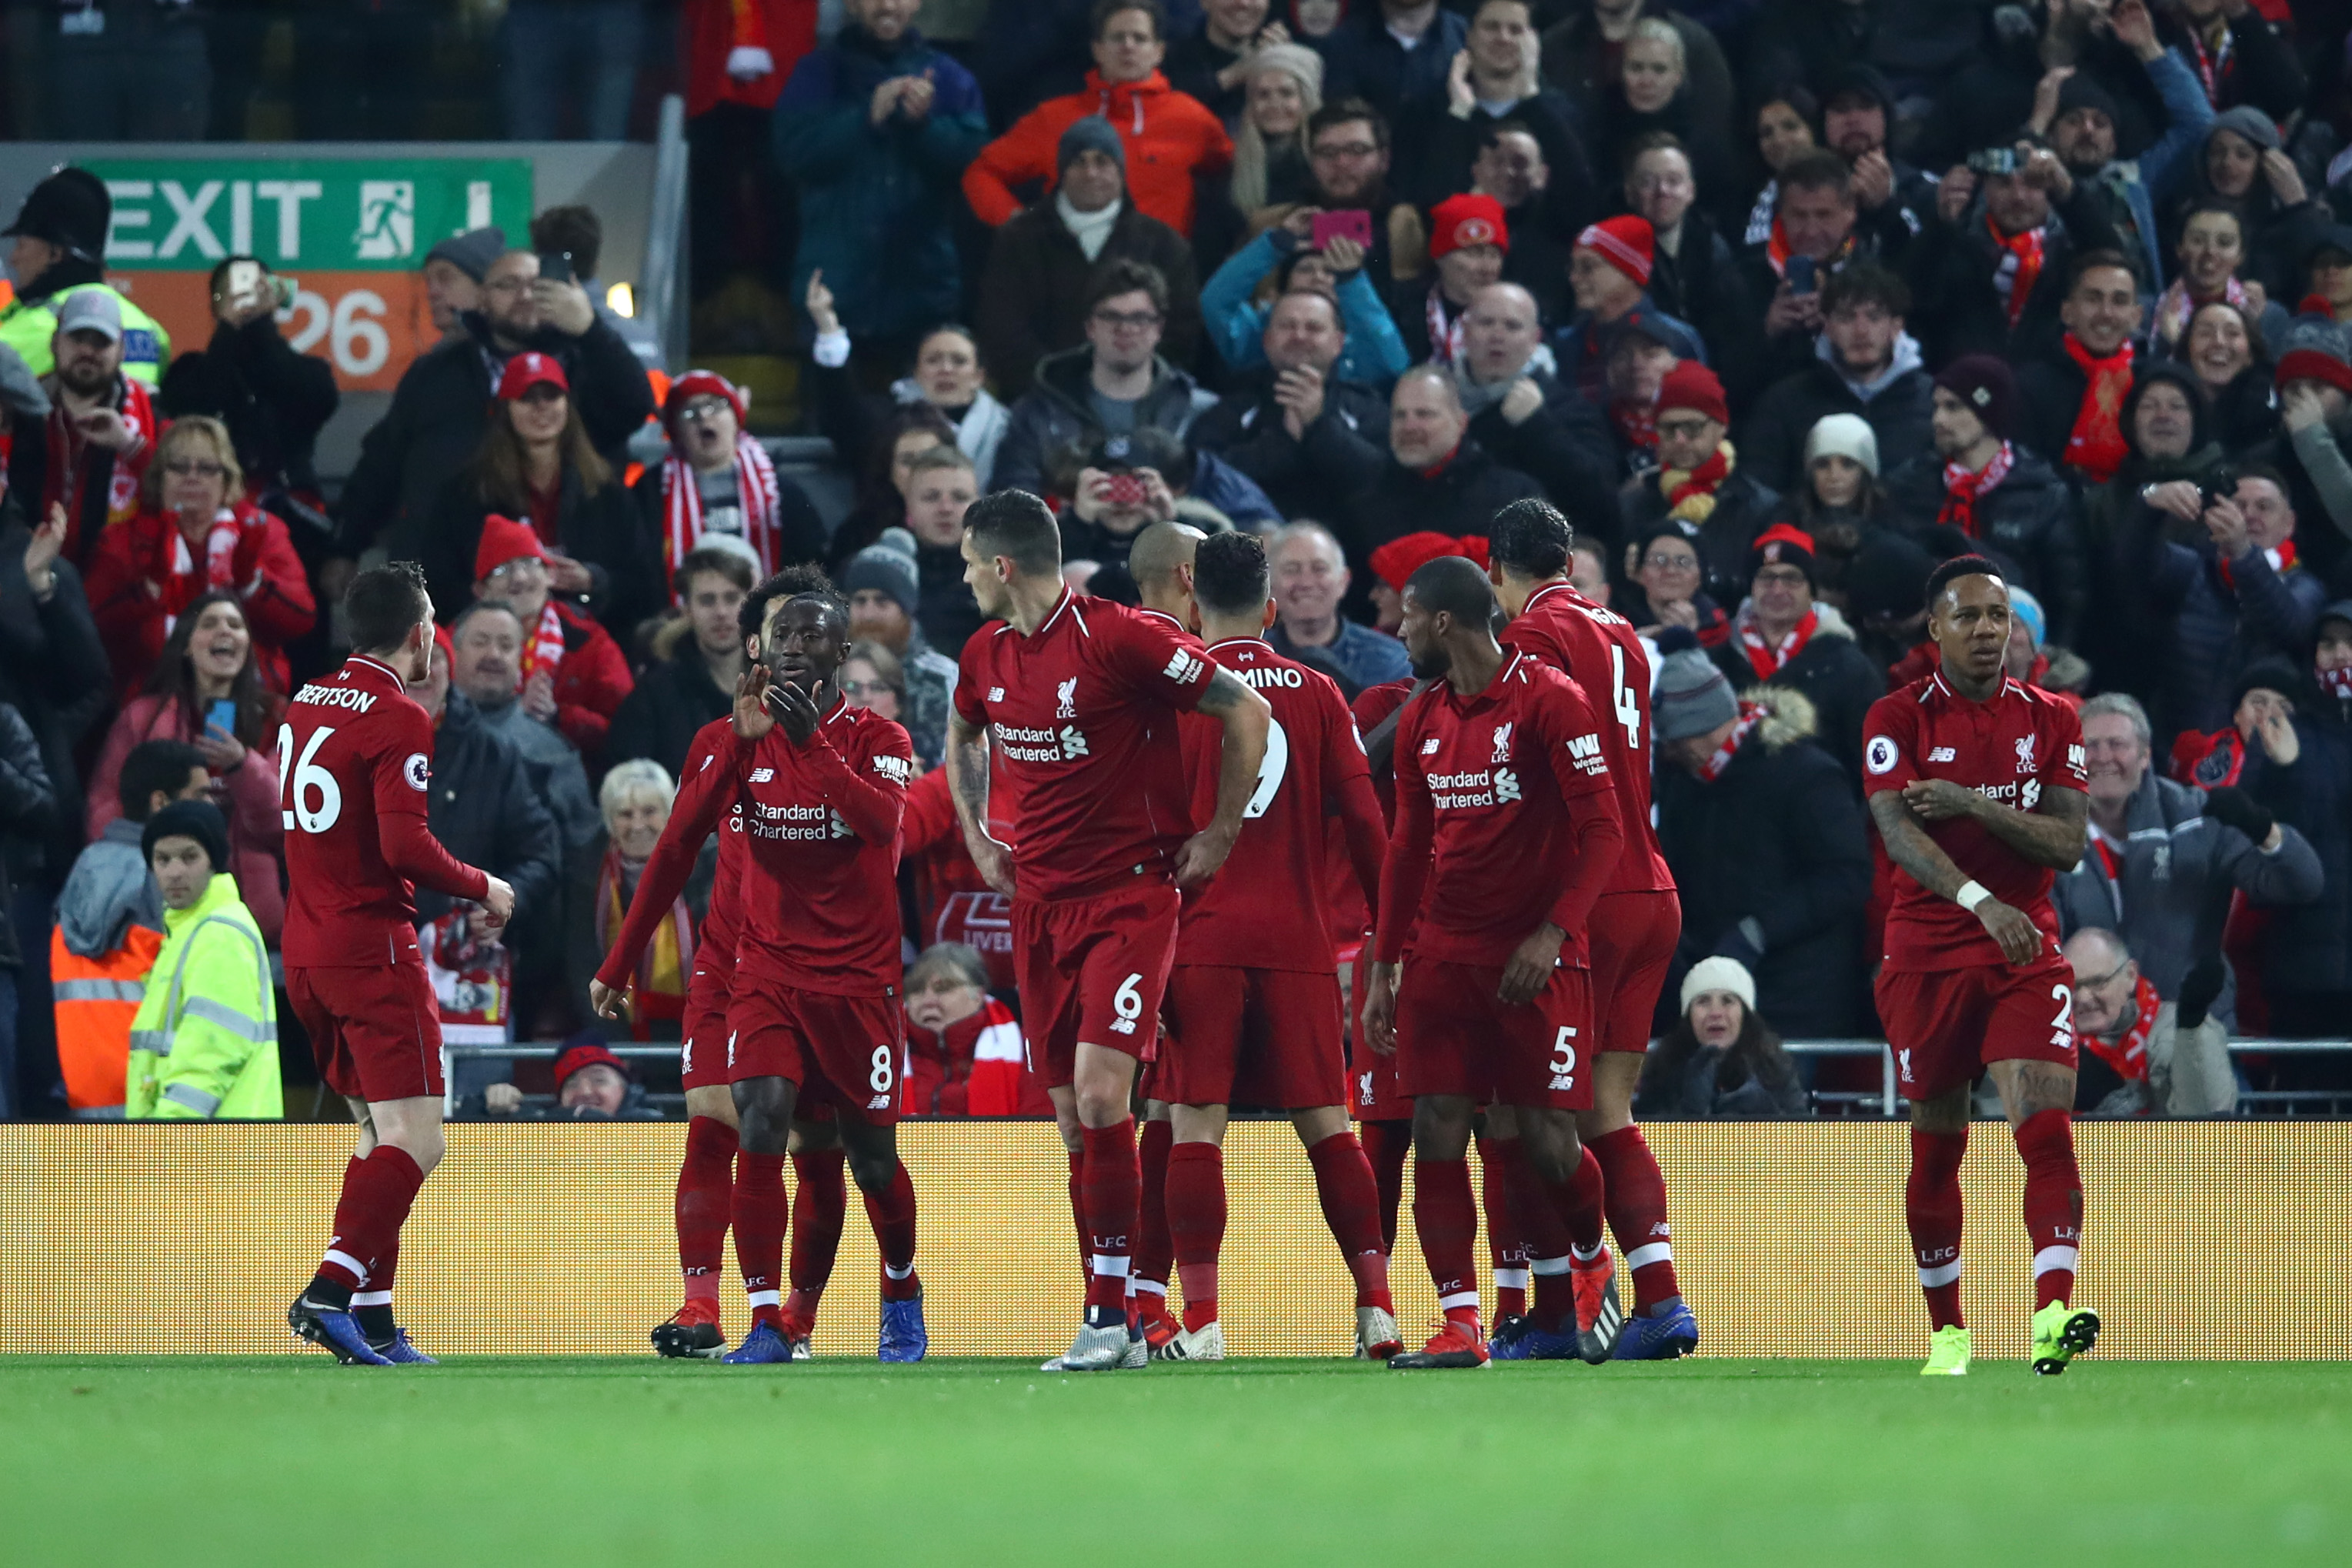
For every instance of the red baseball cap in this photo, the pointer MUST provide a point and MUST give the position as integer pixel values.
(532, 369)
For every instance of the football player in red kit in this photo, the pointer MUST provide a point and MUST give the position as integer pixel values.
(1505, 834)
(1979, 788)
(1383, 1117)
(1254, 1002)
(1636, 925)
(354, 760)
(1080, 697)
(813, 1018)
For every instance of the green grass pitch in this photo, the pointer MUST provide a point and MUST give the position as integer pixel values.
(182, 1461)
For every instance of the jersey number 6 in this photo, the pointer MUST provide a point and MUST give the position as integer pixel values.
(307, 777)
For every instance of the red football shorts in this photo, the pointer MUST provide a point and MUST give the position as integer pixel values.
(846, 1053)
(1455, 1036)
(1632, 937)
(1093, 970)
(702, 1031)
(1371, 1077)
(1945, 1023)
(375, 1029)
(1262, 1038)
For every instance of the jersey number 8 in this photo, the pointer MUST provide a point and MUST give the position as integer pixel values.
(308, 779)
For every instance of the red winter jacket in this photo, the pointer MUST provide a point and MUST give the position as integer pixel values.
(1169, 137)
(145, 572)
(974, 1067)
(590, 683)
(710, 30)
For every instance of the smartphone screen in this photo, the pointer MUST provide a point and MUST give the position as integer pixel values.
(221, 716)
(1352, 223)
(555, 266)
(1801, 275)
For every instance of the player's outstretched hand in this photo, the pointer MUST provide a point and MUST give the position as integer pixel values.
(605, 1000)
(1380, 1008)
(794, 710)
(1529, 970)
(1939, 800)
(499, 904)
(752, 720)
(1202, 854)
(2020, 938)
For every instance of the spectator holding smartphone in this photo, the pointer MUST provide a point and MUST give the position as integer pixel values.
(1369, 353)
(197, 534)
(273, 400)
(207, 691)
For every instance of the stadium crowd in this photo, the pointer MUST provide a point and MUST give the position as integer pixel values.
(1782, 302)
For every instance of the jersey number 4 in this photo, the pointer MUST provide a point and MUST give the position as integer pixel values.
(303, 782)
(1629, 707)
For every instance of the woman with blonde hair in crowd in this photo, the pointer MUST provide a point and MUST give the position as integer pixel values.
(635, 802)
(1284, 87)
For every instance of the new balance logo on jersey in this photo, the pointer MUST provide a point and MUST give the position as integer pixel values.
(1429, 747)
(762, 776)
(1943, 754)
(1065, 698)
(996, 694)
(1183, 668)
(1074, 741)
(1584, 751)
(1507, 785)
(895, 769)
(2025, 753)
(879, 1102)
(1503, 742)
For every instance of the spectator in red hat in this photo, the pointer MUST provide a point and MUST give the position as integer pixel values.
(1784, 637)
(439, 416)
(1698, 485)
(592, 1084)
(1467, 241)
(1609, 270)
(1996, 492)
(1394, 563)
(1436, 478)
(196, 535)
(572, 674)
(536, 464)
(717, 480)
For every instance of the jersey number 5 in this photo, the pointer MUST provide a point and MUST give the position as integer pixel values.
(1629, 707)
(300, 782)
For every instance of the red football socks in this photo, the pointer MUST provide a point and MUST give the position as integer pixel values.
(1078, 1213)
(1155, 1250)
(820, 1209)
(1110, 1188)
(1506, 1239)
(1636, 1195)
(1196, 1221)
(706, 1183)
(1447, 1218)
(759, 1215)
(377, 1193)
(1538, 1211)
(2054, 1203)
(1932, 1206)
(1386, 1144)
(1581, 1201)
(892, 1215)
(1344, 1186)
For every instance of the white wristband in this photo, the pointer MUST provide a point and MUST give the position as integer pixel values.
(1970, 895)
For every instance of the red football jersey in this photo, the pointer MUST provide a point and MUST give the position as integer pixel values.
(1598, 649)
(1082, 717)
(1267, 907)
(816, 905)
(705, 771)
(2009, 750)
(1486, 784)
(1372, 706)
(354, 758)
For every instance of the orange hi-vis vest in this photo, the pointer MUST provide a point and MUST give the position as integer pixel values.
(96, 1000)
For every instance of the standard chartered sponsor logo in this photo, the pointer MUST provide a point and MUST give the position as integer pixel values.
(797, 823)
(1457, 792)
(1029, 745)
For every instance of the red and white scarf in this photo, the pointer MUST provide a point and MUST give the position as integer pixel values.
(1750, 715)
(2212, 68)
(544, 649)
(2128, 1056)
(183, 581)
(2281, 562)
(2096, 444)
(68, 453)
(1445, 337)
(2337, 683)
(755, 484)
(1764, 657)
(2172, 317)
(2021, 267)
(1962, 489)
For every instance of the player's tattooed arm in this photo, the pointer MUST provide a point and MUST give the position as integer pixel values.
(1246, 718)
(967, 762)
(2053, 834)
(1908, 845)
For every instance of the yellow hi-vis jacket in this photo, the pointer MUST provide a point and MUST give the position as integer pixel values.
(31, 328)
(205, 1043)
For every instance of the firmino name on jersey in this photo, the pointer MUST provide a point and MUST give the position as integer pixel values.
(336, 697)
(796, 822)
(1457, 792)
(1270, 675)
(1024, 745)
